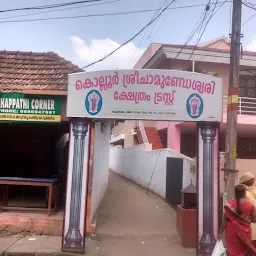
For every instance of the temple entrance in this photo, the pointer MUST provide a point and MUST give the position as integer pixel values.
(162, 95)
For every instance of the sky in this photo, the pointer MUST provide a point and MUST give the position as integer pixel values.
(84, 40)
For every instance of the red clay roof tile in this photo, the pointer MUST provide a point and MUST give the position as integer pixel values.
(34, 71)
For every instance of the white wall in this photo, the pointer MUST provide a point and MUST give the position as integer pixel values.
(138, 165)
(100, 165)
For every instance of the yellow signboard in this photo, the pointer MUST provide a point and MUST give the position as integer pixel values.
(31, 118)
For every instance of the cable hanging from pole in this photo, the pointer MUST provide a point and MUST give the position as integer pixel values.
(128, 41)
(6, 19)
(42, 7)
(205, 26)
(160, 6)
(57, 10)
(200, 24)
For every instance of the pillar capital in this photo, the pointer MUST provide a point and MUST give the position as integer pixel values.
(208, 131)
(80, 127)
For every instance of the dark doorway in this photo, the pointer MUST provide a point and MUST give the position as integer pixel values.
(188, 145)
(174, 176)
(163, 137)
(28, 150)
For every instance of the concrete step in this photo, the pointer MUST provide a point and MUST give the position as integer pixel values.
(41, 246)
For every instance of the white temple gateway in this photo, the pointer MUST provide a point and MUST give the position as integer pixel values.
(87, 102)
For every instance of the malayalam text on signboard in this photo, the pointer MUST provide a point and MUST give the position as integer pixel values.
(26, 108)
(145, 94)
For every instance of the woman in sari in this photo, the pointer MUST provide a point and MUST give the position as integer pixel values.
(247, 179)
(236, 231)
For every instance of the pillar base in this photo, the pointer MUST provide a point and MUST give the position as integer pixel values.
(77, 249)
(207, 244)
(73, 238)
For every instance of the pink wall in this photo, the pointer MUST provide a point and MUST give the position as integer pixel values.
(221, 70)
(161, 125)
(173, 137)
(242, 119)
(173, 134)
(147, 55)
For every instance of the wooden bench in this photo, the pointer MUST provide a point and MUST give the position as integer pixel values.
(35, 182)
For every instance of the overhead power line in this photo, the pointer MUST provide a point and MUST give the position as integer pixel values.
(200, 24)
(99, 14)
(161, 25)
(200, 36)
(249, 19)
(58, 10)
(251, 6)
(78, 16)
(41, 7)
(207, 9)
(150, 36)
(216, 47)
(129, 40)
(142, 41)
(195, 30)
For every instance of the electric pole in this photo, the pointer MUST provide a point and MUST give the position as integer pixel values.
(233, 92)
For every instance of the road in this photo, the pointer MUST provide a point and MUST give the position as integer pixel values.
(132, 222)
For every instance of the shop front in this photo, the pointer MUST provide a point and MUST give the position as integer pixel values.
(34, 134)
(32, 159)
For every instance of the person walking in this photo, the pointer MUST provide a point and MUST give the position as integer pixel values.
(235, 230)
(248, 180)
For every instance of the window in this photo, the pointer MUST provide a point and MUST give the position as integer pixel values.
(247, 87)
(241, 92)
(251, 92)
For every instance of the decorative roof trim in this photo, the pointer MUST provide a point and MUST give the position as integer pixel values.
(221, 38)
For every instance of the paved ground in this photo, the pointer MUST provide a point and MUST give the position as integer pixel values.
(130, 222)
(40, 246)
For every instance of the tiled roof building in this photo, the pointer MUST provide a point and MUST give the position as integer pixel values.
(30, 71)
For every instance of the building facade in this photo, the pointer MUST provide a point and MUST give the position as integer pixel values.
(211, 58)
(34, 132)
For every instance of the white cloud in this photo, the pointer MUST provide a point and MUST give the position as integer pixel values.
(252, 45)
(96, 49)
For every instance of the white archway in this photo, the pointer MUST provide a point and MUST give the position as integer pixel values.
(143, 95)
